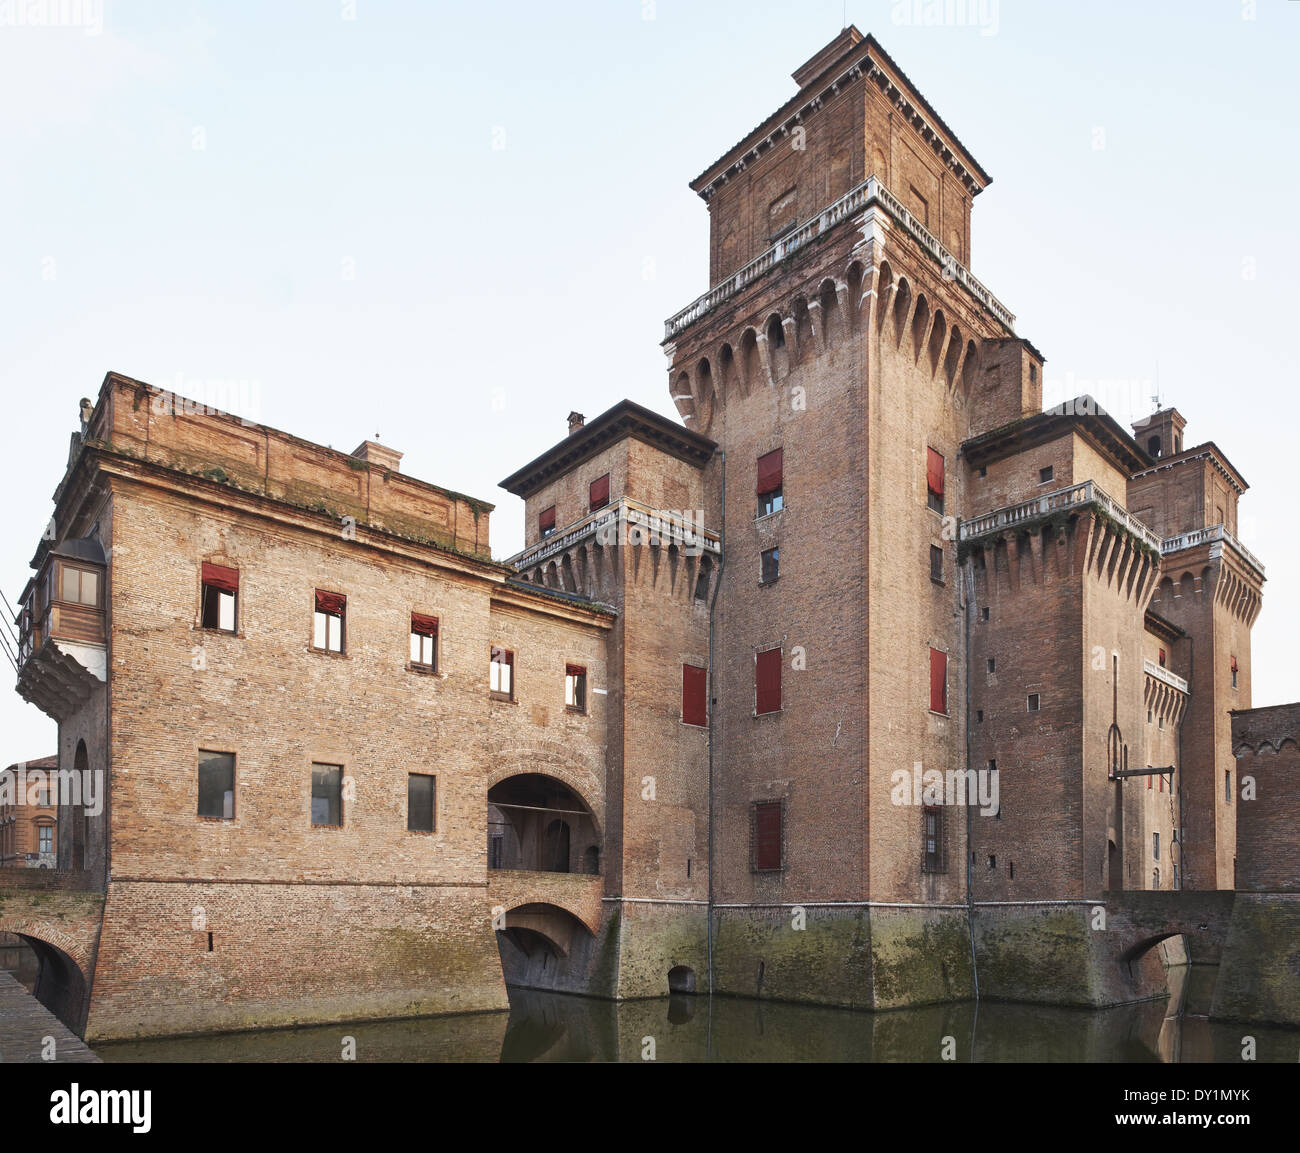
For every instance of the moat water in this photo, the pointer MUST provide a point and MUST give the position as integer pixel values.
(556, 1027)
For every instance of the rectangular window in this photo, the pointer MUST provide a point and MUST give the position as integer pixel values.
(220, 588)
(1032, 702)
(991, 664)
(327, 795)
(771, 478)
(770, 565)
(1227, 787)
(424, 641)
(1149, 784)
(934, 479)
(217, 785)
(421, 792)
(1234, 672)
(767, 681)
(501, 673)
(932, 856)
(984, 613)
(938, 682)
(79, 586)
(575, 688)
(695, 688)
(1163, 658)
(1155, 846)
(45, 835)
(599, 492)
(936, 564)
(1046, 474)
(546, 521)
(767, 836)
(327, 623)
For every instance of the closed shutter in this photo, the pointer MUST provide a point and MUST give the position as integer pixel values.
(767, 681)
(767, 835)
(938, 681)
(546, 519)
(600, 492)
(695, 682)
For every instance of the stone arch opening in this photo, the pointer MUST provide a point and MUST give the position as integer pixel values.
(778, 355)
(77, 820)
(748, 359)
(60, 981)
(539, 824)
(938, 331)
(902, 304)
(920, 325)
(543, 946)
(681, 979)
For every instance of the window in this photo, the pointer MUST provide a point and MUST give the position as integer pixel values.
(932, 856)
(327, 795)
(1032, 702)
(992, 664)
(770, 565)
(694, 695)
(936, 564)
(1163, 658)
(1234, 672)
(546, 521)
(993, 861)
(767, 681)
(1155, 878)
(767, 836)
(1046, 474)
(1033, 373)
(327, 632)
(45, 839)
(934, 479)
(1149, 716)
(1160, 721)
(1149, 783)
(599, 492)
(979, 716)
(424, 642)
(702, 581)
(771, 477)
(220, 588)
(79, 586)
(1227, 786)
(938, 682)
(984, 613)
(217, 785)
(1155, 846)
(501, 673)
(575, 688)
(421, 791)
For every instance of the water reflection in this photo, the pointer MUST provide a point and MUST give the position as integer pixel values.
(549, 1027)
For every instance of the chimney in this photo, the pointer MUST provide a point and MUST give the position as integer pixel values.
(576, 420)
(378, 454)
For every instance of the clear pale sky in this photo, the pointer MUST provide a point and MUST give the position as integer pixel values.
(452, 223)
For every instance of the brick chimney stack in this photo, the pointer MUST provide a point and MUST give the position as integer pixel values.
(378, 454)
(576, 421)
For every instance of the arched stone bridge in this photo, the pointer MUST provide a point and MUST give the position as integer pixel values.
(556, 905)
(59, 914)
(1138, 920)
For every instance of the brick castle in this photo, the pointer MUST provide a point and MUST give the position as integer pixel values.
(708, 721)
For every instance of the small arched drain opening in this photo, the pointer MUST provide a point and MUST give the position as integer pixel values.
(681, 979)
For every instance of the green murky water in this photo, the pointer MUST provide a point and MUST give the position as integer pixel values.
(555, 1027)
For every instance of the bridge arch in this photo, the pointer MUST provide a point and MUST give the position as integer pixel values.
(64, 968)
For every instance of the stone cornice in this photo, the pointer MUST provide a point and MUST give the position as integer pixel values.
(1207, 451)
(893, 84)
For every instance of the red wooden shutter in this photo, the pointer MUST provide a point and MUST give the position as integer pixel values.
(770, 472)
(574, 671)
(424, 626)
(938, 681)
(600, 492)
(219, 577)
(767, 681)
(695, 695)
(767, 835)
(330, 602)
(934, 471)
(1234, 664)
(1162, 658)
(546, 519)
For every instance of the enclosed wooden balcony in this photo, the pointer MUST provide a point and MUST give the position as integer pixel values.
(61, 629)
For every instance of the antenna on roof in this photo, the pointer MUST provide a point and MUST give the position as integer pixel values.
(1156, 399)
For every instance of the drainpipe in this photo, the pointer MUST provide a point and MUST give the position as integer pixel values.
(713, 604)
(968, 588)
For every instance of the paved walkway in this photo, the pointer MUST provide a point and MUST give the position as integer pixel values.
(25, 1023)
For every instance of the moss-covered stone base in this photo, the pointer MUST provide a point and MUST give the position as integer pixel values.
(1259, 974)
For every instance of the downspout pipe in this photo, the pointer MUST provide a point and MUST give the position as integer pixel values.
(713, 691)
(968, 593)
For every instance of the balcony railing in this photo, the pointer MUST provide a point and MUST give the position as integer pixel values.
(1076, 496)
(1210, 535)
(870, 191)
(1163, 674)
